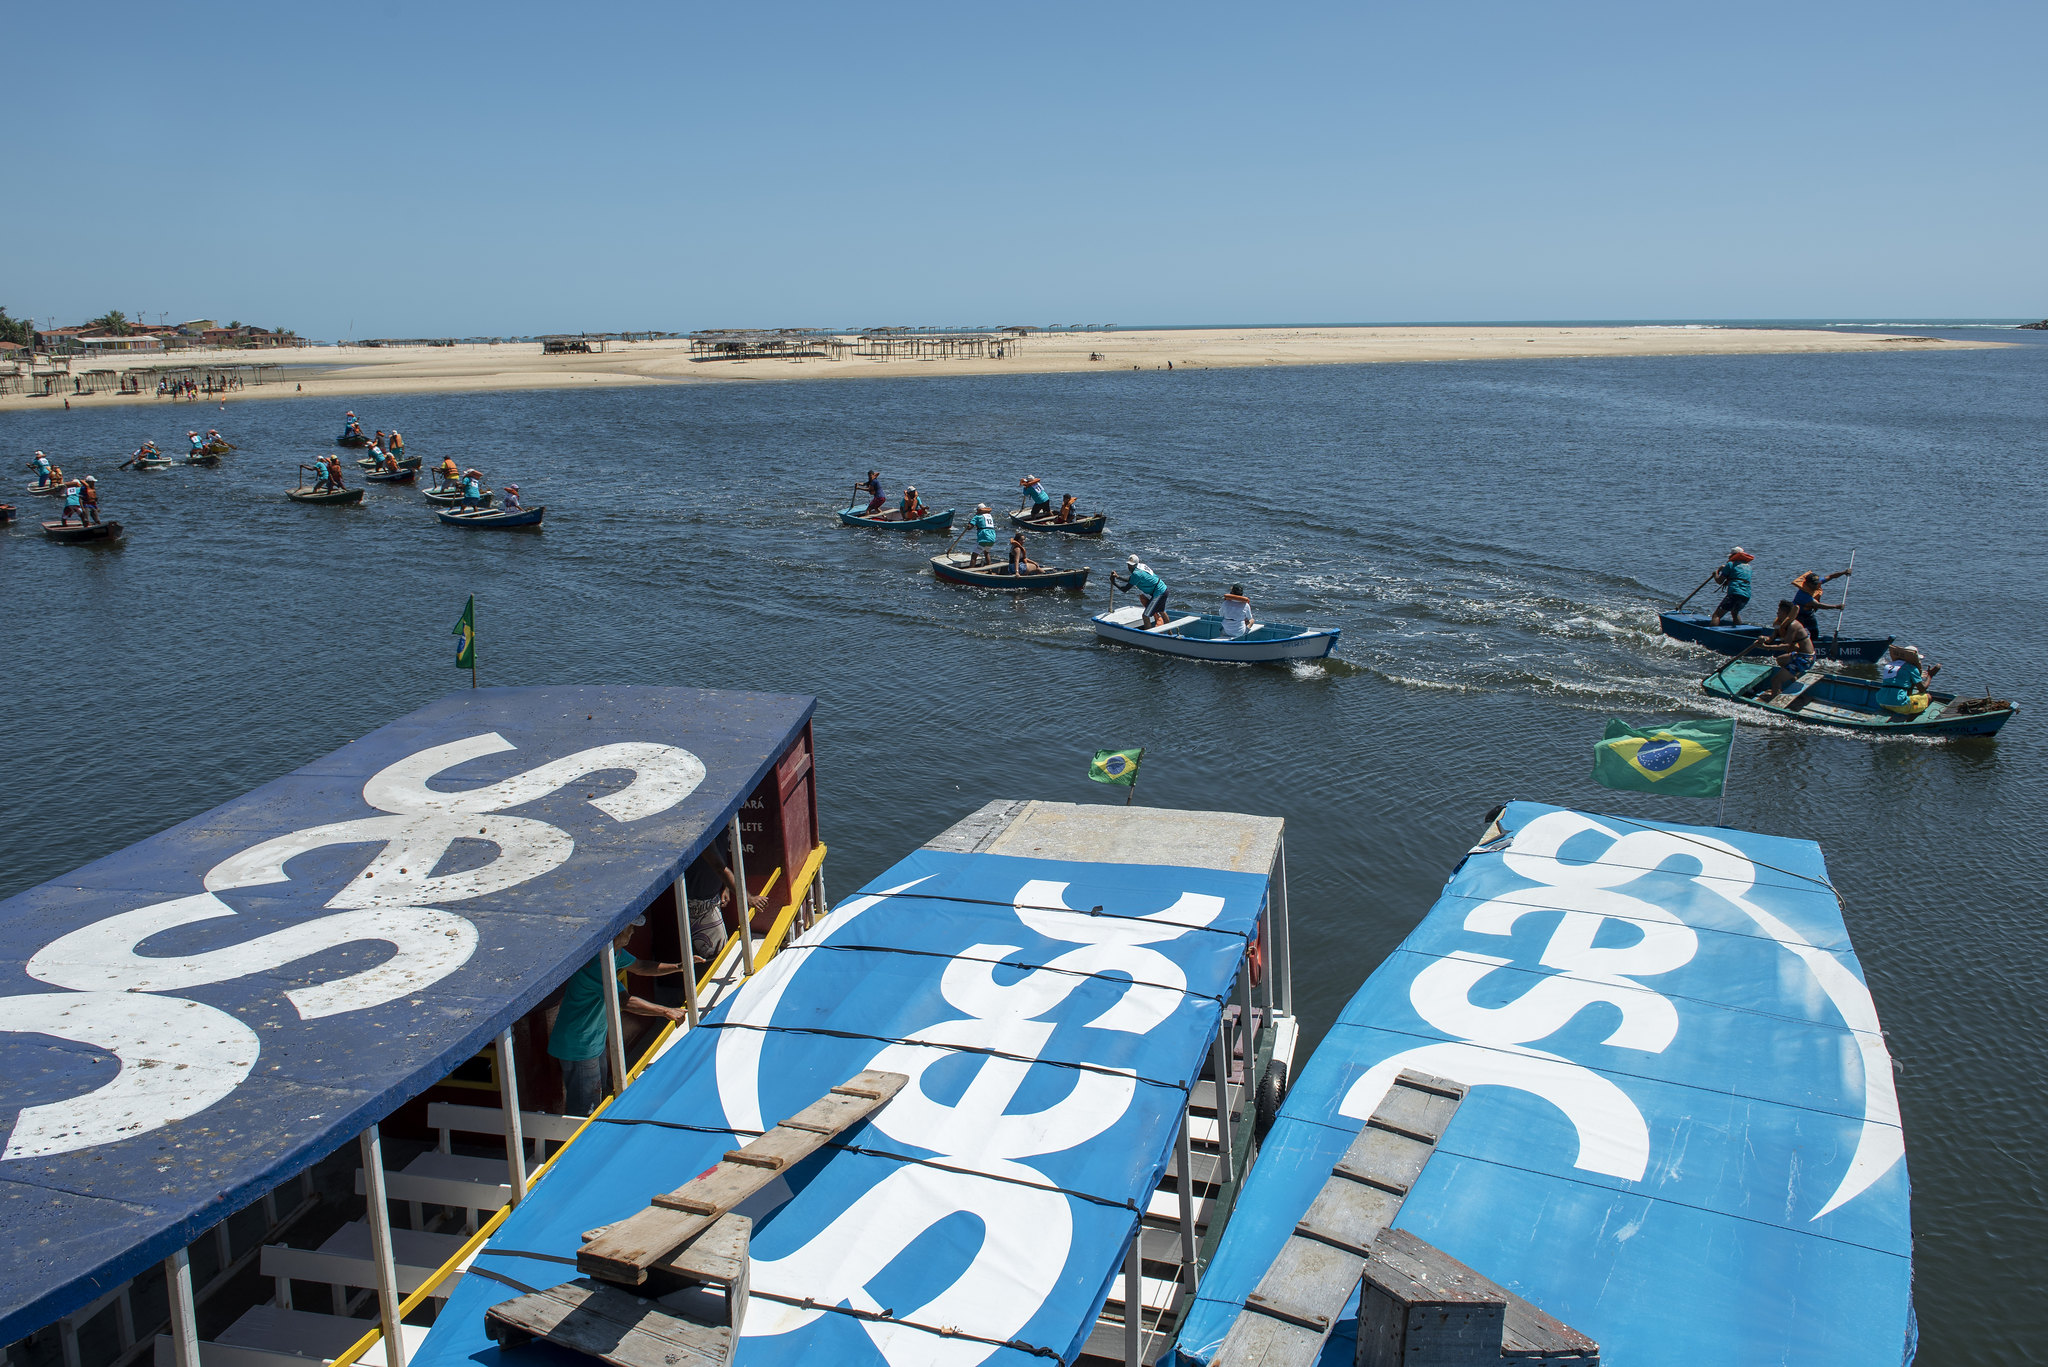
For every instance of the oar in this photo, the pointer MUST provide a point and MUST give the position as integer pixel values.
(1834, 646)
(1745, 650)
(1695, 593)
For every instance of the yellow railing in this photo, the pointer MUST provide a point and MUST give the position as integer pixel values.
(770, 944)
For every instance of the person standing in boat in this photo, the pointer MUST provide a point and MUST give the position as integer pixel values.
(911, 508)
(89, 501)
(396, 446)
(1237, 613)
(1734, 578)
(577, 1041)
(44, 473)
(472, 489)
(1041, 501)
(713, 891)
(1150, 587)
(1806, 599)
(1791, 645)
(984, 524)
(449, 473)
(877, 500)
(197, 445)
(74, 502)
(511, 503)
(1903, 681)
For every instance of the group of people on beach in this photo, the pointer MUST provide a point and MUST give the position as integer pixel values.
(1793, 640)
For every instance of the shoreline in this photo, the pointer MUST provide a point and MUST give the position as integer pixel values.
(351, 371)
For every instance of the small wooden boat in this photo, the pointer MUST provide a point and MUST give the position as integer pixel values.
(892, 519)
(46, 490)
(6, 512)
(488, 517)
(334, 496)
(348, 439)
(1733, 640)
(954, 569)
(400, 476)
(80, 533)
(1202, 638)
(404, 463)
(152, 463)
(1091, 525)
(1850, 704)
(202, 458)
(451, 498)
(217, 448)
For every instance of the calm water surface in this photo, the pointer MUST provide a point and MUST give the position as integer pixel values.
(1492, 537)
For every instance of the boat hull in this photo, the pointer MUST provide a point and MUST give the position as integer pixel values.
(391, 477)
(338, 497)
(1849, 704)
(44, 490)
(6, 512)
(1080, 526)
(351, 441)
(450, 498)
(892, 521)
(1272, 642)
(503, 518)
(74, 534)
(953, 568)
(202, 458)
(1692, 627)
(404, 463)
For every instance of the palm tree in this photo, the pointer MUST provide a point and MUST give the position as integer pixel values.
(113, 321)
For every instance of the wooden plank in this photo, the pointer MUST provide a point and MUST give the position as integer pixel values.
(1466, 1316)
(623, 1252)
(611, 1325)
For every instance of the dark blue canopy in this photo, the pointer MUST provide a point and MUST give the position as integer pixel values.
(198, 1018)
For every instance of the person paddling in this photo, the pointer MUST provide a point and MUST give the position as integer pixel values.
(197, 445)
(74, 502)
(1806, 599)
(472, 489)
(450, 474)
(89, 501)
(1041, 501)
(43, 470)
(1149, 586)
(1734, 578)
(873, 485)
(984, 524)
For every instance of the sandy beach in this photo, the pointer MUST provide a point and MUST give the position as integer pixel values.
(352, 370)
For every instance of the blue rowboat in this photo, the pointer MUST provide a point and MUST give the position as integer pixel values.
(399, 476)
(1091, 525)
(1850, 704)
(350, 439)
(492, 517)
(1733, 640)
(334, 496)
(954, 569)
(452, 496)
(1202, 638)
(892, 519)
(404, 463)
(1684, 1145)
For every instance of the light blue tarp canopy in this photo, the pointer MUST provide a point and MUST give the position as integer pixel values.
(1681, 1137)
(1050, 1052)
(192, 1021)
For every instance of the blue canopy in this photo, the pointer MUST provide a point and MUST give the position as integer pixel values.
(1682, 1137)
(198, 1018)
(1050, 1052)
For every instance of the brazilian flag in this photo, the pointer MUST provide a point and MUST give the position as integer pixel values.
(1116, 766)
(1689, 758)
(465, 627)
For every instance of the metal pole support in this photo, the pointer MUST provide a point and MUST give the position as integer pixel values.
(739, 873)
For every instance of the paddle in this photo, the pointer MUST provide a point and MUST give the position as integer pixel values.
(1745, 650)
(1834, 646)
(1695, 593)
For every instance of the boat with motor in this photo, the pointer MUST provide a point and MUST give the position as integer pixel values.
(1734, 640)
(1624, 1089)
(492, 517)
(953, 568)
(893, 520)
(336, 497)
(451, 497)
(1091, 525)
(79, 533)
(1031, 1016)
(1200, 637)
(398, 476)
(1851, 704)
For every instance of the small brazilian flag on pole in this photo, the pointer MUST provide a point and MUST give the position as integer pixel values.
(465, 627)
(1688, 758)
(1116, 766)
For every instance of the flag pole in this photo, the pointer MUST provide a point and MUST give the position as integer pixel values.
(1735, 724)
(472, 649)
(1131, 791)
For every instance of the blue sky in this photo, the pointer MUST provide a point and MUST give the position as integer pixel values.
(409, 169)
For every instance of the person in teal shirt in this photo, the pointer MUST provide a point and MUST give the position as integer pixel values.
(1150, 587)
(1902, 682)
(577, 1039)
(1733, 577)
(984, 524)
(1041, 501)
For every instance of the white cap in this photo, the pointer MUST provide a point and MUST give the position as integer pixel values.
(1131, 560)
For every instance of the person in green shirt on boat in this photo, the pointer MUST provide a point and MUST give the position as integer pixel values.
(1733, 577)
(1902, 682)
(1041, 501)
(984, 524)
(1150, 587)
(577, 1039)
